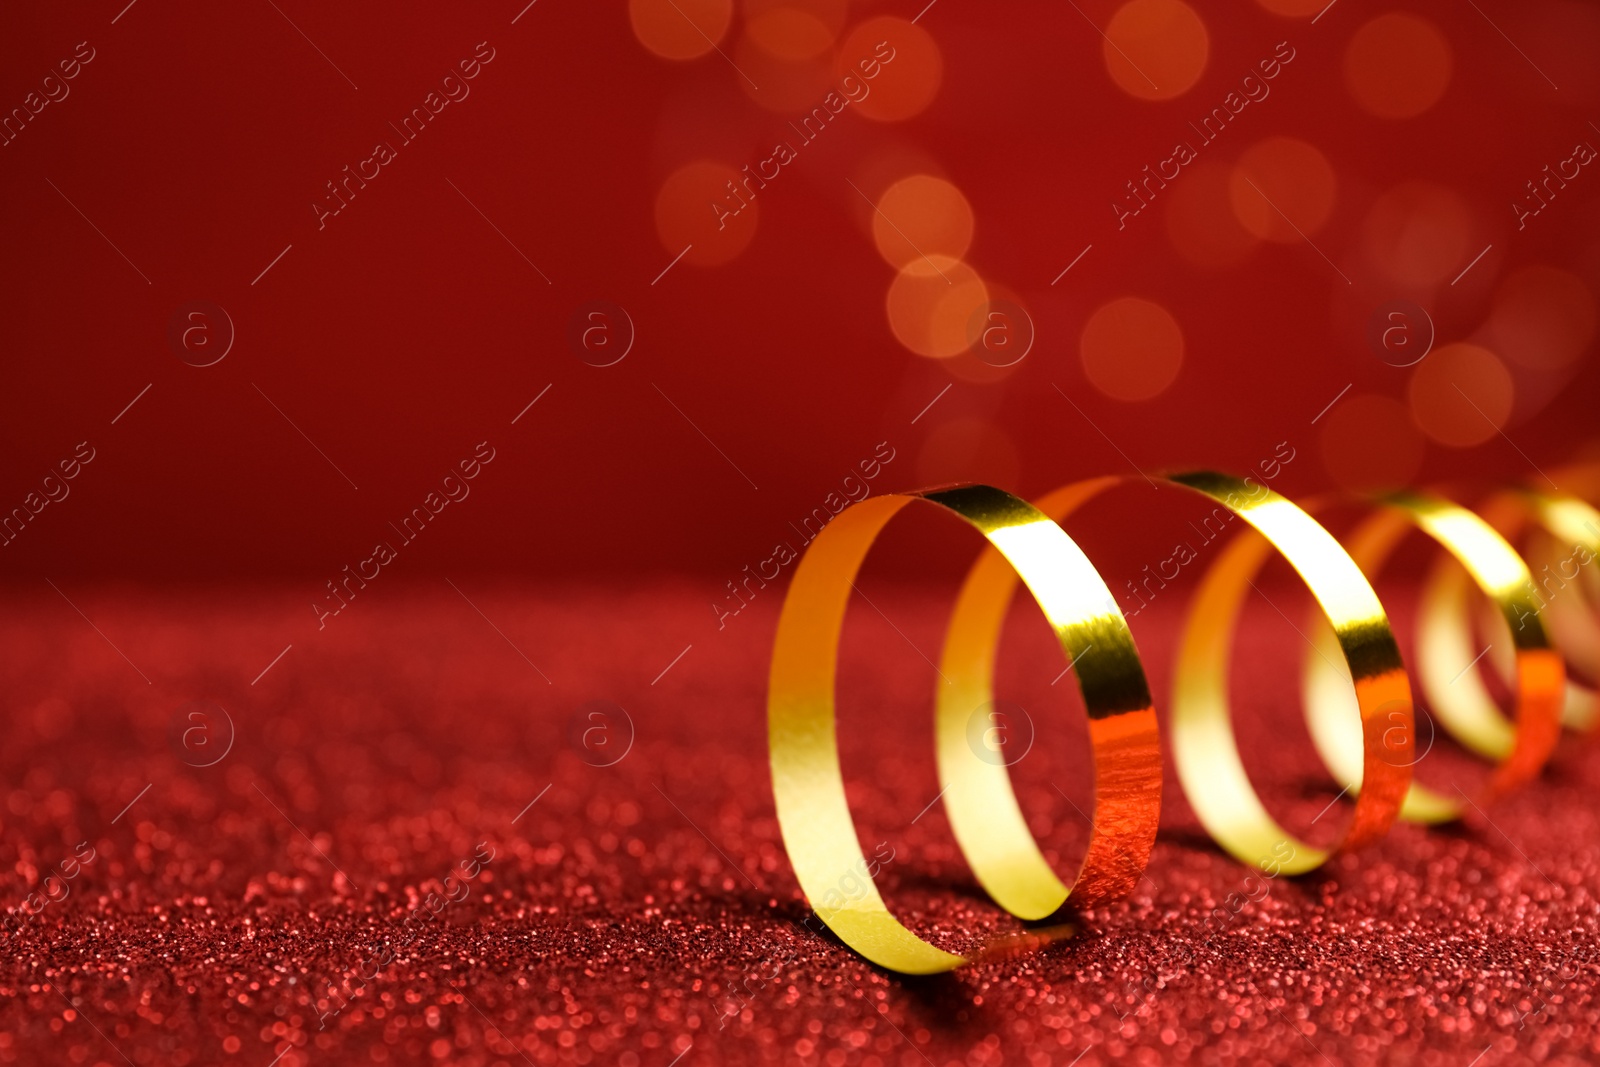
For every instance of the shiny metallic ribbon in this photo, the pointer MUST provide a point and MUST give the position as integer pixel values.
(1357, 692)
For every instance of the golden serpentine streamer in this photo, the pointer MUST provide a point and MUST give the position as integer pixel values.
(1357, 692)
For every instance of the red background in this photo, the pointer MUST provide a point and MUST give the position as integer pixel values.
(408, 330)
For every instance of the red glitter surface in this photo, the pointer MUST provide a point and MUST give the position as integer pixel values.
(644, 913)
(249, 386)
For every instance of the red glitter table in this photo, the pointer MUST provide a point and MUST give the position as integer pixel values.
(644, 913)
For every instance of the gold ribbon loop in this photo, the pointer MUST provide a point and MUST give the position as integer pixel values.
(1446, 655)
(1123, 734)
(1203, 742)
(807, 782)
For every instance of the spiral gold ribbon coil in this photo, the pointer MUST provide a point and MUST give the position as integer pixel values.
(1358, 698)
